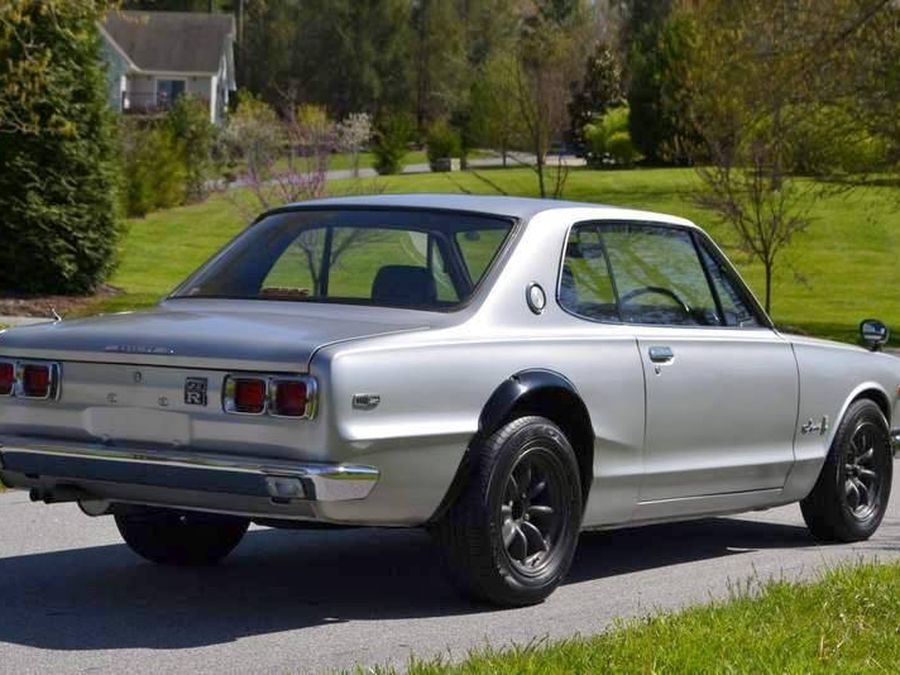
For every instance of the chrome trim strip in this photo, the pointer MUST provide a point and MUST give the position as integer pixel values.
(736, 493)
(330, 482)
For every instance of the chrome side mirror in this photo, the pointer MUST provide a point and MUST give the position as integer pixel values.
(874, 334)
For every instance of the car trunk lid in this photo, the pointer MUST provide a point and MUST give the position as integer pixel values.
(250, 336)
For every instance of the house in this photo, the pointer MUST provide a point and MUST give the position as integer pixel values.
(155, 57)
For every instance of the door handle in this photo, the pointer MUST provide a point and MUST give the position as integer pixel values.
(661, 354)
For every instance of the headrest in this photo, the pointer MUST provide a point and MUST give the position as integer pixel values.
(404, 286)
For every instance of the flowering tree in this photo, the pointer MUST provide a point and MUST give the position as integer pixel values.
(354, 132)
(285, 159)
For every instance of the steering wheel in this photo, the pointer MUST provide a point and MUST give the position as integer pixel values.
(644, 290)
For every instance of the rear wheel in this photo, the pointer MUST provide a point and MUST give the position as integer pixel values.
(511, 535)
(851, 495)
(178, 537)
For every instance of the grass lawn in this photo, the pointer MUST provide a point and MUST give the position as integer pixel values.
(843, 269)
(846, 622)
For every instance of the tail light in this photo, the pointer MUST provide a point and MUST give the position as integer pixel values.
(38, 380)
(7, 378)
(246, 395)
(293, 397)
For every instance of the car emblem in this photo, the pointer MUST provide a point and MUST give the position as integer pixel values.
(195, 389)
(138, 349)
(366, 401)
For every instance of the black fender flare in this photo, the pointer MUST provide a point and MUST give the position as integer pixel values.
(497, 410)
(524, 383)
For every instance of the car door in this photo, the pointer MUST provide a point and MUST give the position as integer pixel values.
(721, 385)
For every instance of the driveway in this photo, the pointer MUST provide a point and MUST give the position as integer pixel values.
(75, 599)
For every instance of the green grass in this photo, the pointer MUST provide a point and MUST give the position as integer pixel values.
(843, 269)
(845, 623)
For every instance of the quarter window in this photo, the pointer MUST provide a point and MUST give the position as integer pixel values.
(586, 286)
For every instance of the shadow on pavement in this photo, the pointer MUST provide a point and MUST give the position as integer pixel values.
(106, 598)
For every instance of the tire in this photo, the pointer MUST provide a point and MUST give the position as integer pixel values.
(504, 543)
(851, 495)
(179, 538)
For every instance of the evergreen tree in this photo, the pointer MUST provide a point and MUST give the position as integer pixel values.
(58, 179)
(657, 93)
(598, 91)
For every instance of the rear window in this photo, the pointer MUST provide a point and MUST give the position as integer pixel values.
(415, 259)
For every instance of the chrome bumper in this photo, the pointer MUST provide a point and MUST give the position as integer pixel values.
(278, 480)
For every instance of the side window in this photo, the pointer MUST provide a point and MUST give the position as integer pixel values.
(658, 276)
(736, 309)
(585, 286)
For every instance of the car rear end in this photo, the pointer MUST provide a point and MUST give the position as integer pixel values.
(231, 441)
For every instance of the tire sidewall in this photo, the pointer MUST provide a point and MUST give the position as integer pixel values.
(861, 412)
(538, 435)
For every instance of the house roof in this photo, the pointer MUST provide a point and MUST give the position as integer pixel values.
(173, 42)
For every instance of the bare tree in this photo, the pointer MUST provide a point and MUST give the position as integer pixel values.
(760, 73)
(541, 78)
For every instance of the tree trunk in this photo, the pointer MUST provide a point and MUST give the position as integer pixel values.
(540, 173)
(768, 264)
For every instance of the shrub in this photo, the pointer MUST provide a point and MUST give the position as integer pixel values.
(155, 175)
(58, 180)
(609, 140)
(443, 142)
(620, 148)
(189, 123)
(393, 132)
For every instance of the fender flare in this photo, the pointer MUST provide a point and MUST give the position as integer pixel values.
(496, 411)
(524, 383)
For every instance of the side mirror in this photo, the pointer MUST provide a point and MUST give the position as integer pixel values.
(874, 334)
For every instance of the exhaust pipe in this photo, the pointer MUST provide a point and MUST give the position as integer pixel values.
(62, 494)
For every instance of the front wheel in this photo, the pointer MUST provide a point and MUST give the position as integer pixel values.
(511, 535)
(180, 538)
(851, 494)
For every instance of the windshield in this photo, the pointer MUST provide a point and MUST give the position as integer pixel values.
(416, 259)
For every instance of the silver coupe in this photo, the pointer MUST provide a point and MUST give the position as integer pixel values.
(504, 372)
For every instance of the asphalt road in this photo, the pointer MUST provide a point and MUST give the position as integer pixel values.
(74, 599)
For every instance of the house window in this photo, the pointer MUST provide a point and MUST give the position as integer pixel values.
(168, 91)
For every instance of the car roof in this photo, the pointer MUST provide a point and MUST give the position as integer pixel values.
(521, 208)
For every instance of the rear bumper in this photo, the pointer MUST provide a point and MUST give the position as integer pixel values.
(115, 473)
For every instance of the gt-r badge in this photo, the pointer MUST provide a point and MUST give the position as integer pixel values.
(195, 389)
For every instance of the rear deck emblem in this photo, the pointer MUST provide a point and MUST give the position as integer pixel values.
(195, 389)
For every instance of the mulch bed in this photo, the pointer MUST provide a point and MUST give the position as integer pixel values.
(43, 305)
